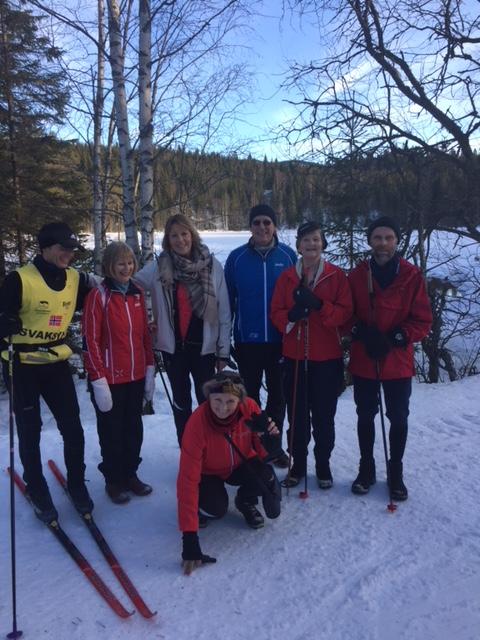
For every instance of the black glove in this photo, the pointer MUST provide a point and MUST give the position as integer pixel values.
(10, 325)
(191, 548)
(304, 297)
(398, 337)
(297, 313)
(376, 343)
(273, 443)
(258, 422)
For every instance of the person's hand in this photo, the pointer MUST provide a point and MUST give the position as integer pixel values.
(152, 326)
(221, 363)
(262, 423)
(149, 383)
(272, 429)
(10, 325)
(304, 297)
(298, 312)
(376, 343)
(102, 395)
(398, 338)
(192, 556)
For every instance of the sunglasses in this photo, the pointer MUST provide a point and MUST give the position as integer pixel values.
(266, 222)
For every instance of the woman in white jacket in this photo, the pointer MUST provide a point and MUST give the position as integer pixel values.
(191, 312)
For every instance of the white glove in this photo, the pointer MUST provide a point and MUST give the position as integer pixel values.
(102, 394)
(149, 383)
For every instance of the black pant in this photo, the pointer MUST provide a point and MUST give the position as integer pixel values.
(250, 477)
(255, 359)
(397, 397)
(120, 432)
(179, 366)
(54, 383)
(312, 406)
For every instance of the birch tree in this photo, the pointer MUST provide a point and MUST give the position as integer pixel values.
(145, 117)
(117, 63)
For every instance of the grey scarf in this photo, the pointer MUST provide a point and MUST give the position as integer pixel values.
(196, 275)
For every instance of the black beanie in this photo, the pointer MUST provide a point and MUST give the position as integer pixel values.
(262, 210)
(309, 227)
(384, 221)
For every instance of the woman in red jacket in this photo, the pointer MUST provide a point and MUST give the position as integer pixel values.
(119, 361)
(310, 302)
(221, 444)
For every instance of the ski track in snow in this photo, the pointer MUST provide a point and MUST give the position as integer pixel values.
(333, 567)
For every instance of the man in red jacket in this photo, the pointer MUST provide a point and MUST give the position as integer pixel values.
(392, 311)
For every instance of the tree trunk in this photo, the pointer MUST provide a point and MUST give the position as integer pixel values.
(98, 212)
(117, 63)
(146, 130)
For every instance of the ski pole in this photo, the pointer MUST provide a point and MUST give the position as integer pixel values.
(392, 507)
(159, 369)
(15, 633)
(292, 425)
(304, 494)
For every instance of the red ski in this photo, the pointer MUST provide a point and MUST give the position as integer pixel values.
(79, 559)
(108, 554)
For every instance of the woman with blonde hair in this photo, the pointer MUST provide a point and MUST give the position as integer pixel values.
(191, 313)
(119, 361)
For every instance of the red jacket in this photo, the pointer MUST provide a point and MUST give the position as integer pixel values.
(116, 339)
(404, 304)
(205, 450)
(323, 336)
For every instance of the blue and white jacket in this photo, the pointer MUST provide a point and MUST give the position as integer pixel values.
(251, 276)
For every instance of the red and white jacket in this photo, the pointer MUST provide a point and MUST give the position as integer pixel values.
(404, 304)
(116, 338)
(323, 336)
(205, 450)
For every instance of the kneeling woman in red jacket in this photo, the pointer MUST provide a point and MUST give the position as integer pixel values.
(119, 361)
(221, 444)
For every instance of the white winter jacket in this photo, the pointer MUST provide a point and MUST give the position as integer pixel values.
(216, 335)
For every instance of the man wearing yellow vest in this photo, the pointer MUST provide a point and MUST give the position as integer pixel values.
(37, 303)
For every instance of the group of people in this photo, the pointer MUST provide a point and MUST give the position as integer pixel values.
(290, 321)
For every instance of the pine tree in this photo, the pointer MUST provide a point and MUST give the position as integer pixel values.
(32, 97)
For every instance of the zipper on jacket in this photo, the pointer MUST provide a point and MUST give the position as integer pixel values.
(265, 317)
(130, 336)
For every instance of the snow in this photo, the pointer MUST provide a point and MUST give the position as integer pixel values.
(334, 566)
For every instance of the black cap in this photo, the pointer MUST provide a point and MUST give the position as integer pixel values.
(58, 233)
(384, 221)
(262, 210)
(309, 226)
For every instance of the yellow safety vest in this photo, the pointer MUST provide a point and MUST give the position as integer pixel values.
(46, 315)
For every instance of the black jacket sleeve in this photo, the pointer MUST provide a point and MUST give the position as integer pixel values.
(84, 286)
(11, 294)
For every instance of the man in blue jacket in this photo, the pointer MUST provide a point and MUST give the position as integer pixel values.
(251, 272)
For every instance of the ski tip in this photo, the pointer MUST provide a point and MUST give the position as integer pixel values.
(391, 507)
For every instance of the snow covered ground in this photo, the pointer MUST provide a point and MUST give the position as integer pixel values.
(332, 567)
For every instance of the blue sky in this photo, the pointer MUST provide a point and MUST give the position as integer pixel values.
(271, 41)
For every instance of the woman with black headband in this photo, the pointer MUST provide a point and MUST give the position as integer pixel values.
(222, 443)
(310, 302)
